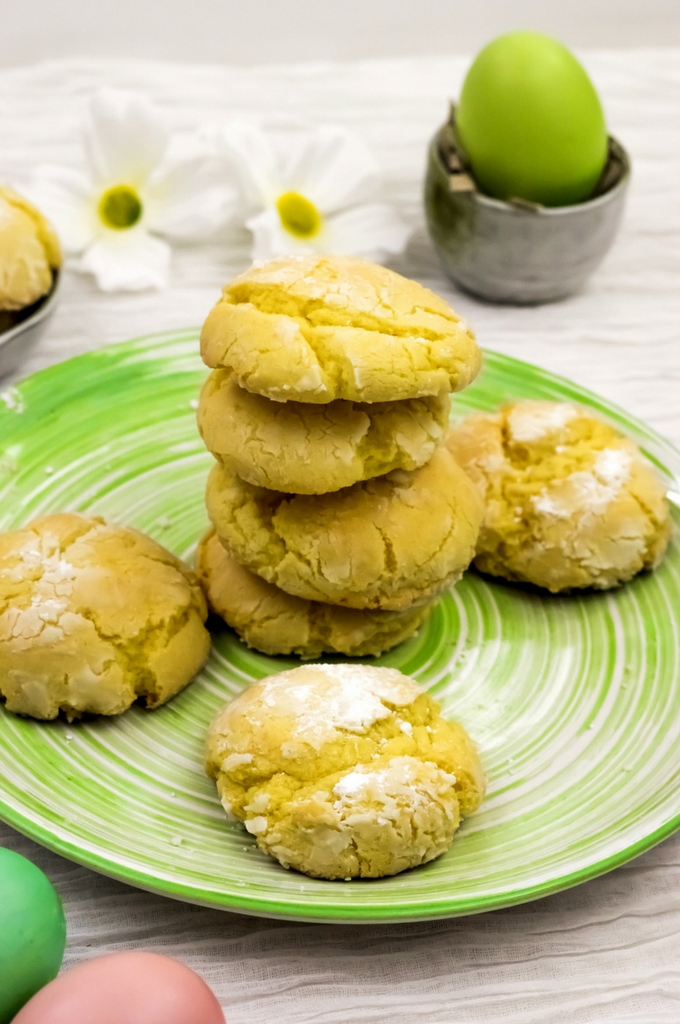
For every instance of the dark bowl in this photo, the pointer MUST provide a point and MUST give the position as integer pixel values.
(18, 340)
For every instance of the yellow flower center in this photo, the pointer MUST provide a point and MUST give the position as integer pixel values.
(298, 215)
(120, 207)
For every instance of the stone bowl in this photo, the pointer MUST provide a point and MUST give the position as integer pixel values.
(517, 252)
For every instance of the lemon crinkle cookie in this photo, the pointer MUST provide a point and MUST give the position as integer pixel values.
(29, 252)
(311, 449)
(93, 616)
(320, 328)
(569, 502)
(344, 771)
(385, 543)
(274, 622)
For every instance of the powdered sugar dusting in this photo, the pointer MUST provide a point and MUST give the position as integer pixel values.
(612, 466)
(324, 699)
(385, 787)
(51, 590)
(235, 761)
(587, 490)
(530, 421)
(552, 505)
(13, 399)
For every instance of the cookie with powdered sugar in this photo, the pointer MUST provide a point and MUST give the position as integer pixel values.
(344, 771)
(312, 449)
(387, 543)
(94, 617)
(320, 328)
(569, 501)
(274, 622)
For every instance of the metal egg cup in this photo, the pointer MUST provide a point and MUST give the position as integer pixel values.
(16, 341)
(517, 252)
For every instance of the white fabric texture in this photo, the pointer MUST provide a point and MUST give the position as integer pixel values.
(605, 951)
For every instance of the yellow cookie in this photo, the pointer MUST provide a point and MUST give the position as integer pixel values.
(344, 771)
(384, 543)
(311, 449)
(569, 501)
(319, 328)
(29, 252)
(274, 622)
(93, 617)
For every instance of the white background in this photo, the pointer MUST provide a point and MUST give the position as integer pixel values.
(286, 31)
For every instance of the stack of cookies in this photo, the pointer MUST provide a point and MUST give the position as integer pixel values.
(338, 516)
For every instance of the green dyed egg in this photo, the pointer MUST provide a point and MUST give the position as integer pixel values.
(531, 122)
(32, 932)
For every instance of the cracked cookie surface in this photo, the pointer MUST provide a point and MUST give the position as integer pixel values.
(94, 616)
(569, 502)
(274, 622)
(344, 771)
(312, 449)
(320, 328)
(385, 543)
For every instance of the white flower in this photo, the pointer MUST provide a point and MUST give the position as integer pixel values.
(311, 194)
(132, 188)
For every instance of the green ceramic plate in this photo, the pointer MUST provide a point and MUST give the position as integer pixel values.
(575, 702)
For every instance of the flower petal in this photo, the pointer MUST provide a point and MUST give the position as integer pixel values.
(334, 169)
(184, 199)
(270, 239)
(127, 261)
(66, 199)
(125, 137)
(372, 230)
(254, 161)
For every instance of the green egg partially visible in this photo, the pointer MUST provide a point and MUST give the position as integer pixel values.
(32, 932)
(531, 122)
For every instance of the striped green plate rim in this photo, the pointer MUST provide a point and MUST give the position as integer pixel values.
(574, 701)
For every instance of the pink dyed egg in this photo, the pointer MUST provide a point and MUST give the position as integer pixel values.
(124, 988)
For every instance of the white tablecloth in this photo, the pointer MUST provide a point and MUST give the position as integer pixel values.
(606, 951)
